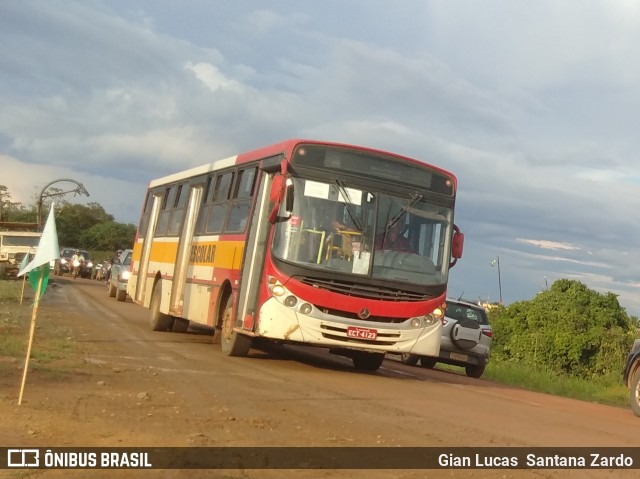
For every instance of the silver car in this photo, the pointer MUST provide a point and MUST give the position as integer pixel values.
(466, 339)
(120, 276)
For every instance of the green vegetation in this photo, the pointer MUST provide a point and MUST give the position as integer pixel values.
(568, 330)
(10, 291)
(569, 341)
(56, 350)
(607, 389)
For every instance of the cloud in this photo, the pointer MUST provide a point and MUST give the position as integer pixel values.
(531, 105)
(211, 77)
(545, 244)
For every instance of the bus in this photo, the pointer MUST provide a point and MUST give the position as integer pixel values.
(305, 242)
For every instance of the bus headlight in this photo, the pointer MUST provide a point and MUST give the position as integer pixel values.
(306, 308)
(416, 323)
(278, 290)
(430, 320)
(290, 301)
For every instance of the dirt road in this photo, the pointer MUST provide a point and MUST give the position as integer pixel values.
(133, 387)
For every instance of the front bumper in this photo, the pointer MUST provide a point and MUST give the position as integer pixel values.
(277, 321)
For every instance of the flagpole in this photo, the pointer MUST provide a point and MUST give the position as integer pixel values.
(31, 333)
(24, 281)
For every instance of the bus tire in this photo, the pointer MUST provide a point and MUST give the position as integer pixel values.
(409, 359)
(363, 361)
(157, 320)
(232, 342)
(428, 362)
(121, 295)
(180, 325)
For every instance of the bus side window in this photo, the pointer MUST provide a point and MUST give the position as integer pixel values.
(216, 218)
(243, 191)
(146, 212)
(219, 197)
(179, 210)
(204, 207)
(165, 212)
(245, 183)
(238, 217)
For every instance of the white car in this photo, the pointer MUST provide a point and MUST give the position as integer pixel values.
(120, 276)
(466, 339)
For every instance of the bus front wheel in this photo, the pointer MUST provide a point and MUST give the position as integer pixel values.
(364, 361)
(232, 342)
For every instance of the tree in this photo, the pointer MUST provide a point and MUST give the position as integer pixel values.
(11, 211)
(109, 236)
(74, 220)
(568, 329)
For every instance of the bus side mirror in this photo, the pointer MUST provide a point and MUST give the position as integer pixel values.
(277, 189)
(457, 245)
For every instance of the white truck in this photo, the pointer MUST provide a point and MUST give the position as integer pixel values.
(14, 245)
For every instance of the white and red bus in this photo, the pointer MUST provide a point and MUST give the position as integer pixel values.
(306, 242)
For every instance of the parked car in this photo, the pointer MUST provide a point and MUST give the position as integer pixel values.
(120, 276)
(63, 265)
(466, 339)
(631, 377)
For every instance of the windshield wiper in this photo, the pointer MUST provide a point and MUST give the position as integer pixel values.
(415, 197)
(349, 203)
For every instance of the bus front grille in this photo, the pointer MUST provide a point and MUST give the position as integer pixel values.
(363, 290)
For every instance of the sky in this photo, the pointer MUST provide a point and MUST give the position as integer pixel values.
(532, 105)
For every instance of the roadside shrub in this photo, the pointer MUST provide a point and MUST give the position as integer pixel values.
(568, 329)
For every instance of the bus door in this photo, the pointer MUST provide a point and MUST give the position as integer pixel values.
(149, 235)
(184, 251)
(256, 248)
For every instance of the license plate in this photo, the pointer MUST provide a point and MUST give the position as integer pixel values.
(459, 357)
(361, 333)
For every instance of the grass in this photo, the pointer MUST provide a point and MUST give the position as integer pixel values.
(603, 389)
(10, 291)
(53, 347)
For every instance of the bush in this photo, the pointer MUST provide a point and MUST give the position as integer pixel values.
(568, 329)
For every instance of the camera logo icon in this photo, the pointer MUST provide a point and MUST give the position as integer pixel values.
(23, 458)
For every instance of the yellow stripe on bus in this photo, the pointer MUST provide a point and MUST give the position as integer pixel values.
(221, 254)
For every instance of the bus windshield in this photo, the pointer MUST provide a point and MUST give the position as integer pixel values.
(336, 227)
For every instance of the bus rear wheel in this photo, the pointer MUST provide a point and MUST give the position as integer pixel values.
(157, 320)
(232, 342)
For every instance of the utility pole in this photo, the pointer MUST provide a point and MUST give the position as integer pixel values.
(496, 262)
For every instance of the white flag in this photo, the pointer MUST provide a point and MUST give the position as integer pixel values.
(48, 249)
(23, 264)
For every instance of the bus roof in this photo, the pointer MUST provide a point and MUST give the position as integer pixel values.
(276, 149)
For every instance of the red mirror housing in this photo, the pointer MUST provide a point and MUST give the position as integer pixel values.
(457, 245)
(277, 189)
